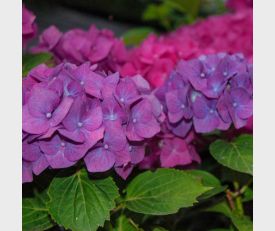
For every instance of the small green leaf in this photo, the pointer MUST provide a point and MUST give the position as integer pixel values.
(79, 203)
(136, 35)
(32, 60)
(35, 215)
(241, 222)
(208, 180)
(162, 192)
(125, 224)
(237, 155)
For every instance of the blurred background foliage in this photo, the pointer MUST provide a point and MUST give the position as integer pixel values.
(132, 19)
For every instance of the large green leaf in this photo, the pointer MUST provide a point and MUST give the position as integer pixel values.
(35, 215)
(32, 60)
(125, 224)
(208, 180)
(136, 35)
(79, 203)
(162, 192)
(237, 154)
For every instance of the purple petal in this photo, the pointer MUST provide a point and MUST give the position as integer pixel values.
(99, 160)
(26, 172)
(30, 151)
(40, 165)
(62, 110)
(32, 124)
(58, 160)
(124, 171)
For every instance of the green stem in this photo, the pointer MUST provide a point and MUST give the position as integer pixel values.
(238, 199)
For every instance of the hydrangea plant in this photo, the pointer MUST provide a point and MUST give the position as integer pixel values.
(115, 138)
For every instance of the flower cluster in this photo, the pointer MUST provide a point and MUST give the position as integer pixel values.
(72, 112)
(157, 56)
(209, 93)
(29, 28)
(78, 46)
(237, 5)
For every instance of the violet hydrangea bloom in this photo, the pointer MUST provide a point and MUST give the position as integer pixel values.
(73, 113)
(208, 93)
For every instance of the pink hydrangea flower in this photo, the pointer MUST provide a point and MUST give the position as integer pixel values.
(29, 28)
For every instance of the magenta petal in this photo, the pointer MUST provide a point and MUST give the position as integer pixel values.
(74, 152)
(32, 124)
(50, 147)
(124, 171)
(131, 133)
(207, 124)
(93, 137)
(122, 157)
(99, 160)
(137, 153)
(75, 135)
(27, 172)
(147, 130)
(93, 119)
(40, 165)
(182, 128)
(61, 111)
(58, 160)
(94, 84)
(30, 152)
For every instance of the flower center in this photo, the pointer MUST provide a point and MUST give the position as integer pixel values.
(82, 82)
(49, 115)
(130, 148)
(106, 146)
(202, 75)
(122, 100)
(79, 124)
(211, 111)
(134, 120)
(235, 104)
(182, 106)
(62, 144)
(225, 73)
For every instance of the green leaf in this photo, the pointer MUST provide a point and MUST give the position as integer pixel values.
(248, 195)
(162, 192)
(35, 215)
(237, 155)
(241, 222)
(125, 224)
(208, 180)
(136, 35)
(32, 60)
(79, 203)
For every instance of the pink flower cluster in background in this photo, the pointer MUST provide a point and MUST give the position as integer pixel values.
(29, 28)
(79, 46)
(157, 56)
